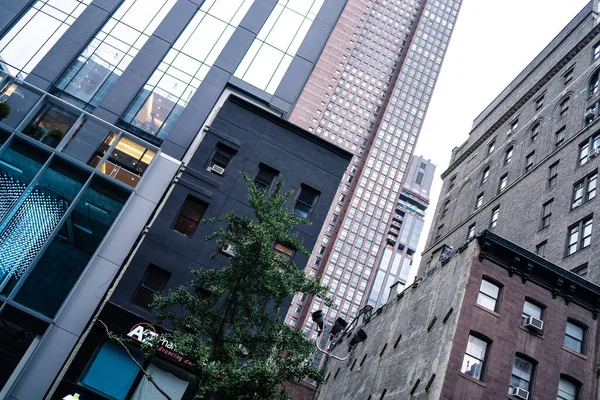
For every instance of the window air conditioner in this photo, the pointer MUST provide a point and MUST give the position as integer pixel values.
(519, 393)
(217, 170)
(229, 249)
(534, 323)
(594, 152)
(590, 115)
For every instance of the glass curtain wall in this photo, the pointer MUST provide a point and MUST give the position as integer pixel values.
(28, 41)
(97, 68)
(276, 44)
(165, 95)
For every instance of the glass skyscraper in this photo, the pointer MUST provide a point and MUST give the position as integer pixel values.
(106, 96)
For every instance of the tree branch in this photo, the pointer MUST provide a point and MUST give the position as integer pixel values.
(146, 374)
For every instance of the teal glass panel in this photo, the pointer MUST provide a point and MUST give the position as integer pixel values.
(20, 99)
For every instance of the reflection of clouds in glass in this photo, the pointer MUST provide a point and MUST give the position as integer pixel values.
(168, 91)
(28, 41)
(269, 57)
(98, 67)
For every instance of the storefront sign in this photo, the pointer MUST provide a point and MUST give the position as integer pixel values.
(145, 333)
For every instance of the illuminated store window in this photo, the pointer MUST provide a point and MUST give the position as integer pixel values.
(269, 57)
(28, 41)
(165, 95)
(98, 67)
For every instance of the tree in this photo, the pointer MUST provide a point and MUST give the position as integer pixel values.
(226, 322)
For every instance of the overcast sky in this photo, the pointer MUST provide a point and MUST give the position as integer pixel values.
(492, 42)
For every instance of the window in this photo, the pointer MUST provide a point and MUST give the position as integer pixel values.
(284, 252)
(539, 102)
(471, 232)
(488, 295)
(479, 201)
(508, 155)
(582, 270)
(531, 310)
(306, 201)
(594, 83)
(574, 335)
(596, 51)
(265, 177)
(220, 159)
(567, 389)
(512, 128)
(584, 190)
(491, 146)
(580, 236)
(485, 175)
(589, 149)
(559, 136)
(154, 281)
(475, 357)
(503, 181)
(452, 182)
(529, 161)
(546, 213)
(552, 174)
(540, 249)
(568, 75)
(190, 215)
(535, 131)
(522, 374)
(439, 231)
(563, 107)
(495, 214)
(445, 208)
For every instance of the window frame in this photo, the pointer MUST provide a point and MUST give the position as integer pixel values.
(142, 286)
(267, 169)
(491, 146)
(535, 131)
(579, 269)
(312, 206)
(553, 174)
(508, 155)
(471, 231)
(498, 298)
(533, 363)
(586, 148)
(559, 136)
(485, 175)
(221, 148)
(484, 361)
(582, 342)
(478, 201)
(494, 217)
(572, 381)
(563, 107)
(539, 101)
(546, 214)
(189, 199)
(529, 162)
(588, 192)
(568, 74)
(503, 183)
(534, 303)
(540, 248)
(579, 228)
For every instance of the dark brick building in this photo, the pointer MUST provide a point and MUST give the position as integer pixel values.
(465, 340)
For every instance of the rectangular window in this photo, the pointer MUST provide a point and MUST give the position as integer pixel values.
(522, 373)
(568, 75)
(503, 182)
(488, 295)
(495, 214)
(154, 281)
(471, 232)
(475, 356)
(220, 159)
(512, 128)
(508, 155)
(567, 390)
(485, 175)
(579, 235)
(529, 161)
(491, 147)
(530, 310)
(539, 102)
(479, 201)
(589, 149)
(584, 190)
(559, 136)
(540, 249)
(306, 201)
(552, 174)
(265, 177)
(546, 213)
(596, 51)
(574, 335)
(284, 252)
(452, 182)
(535, 132)
(582, 270)
(190, 215)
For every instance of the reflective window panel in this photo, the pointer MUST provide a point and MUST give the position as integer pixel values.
(20, 100)
(28, 41)
(51, 123)
(51, 280)
(270, 55)
(20, 333)
(165, 95)
(98, 67)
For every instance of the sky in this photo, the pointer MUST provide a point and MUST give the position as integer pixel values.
(492, 42)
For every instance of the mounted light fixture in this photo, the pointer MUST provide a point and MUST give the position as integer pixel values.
(339, 331)
(318, 318)
(358, 336)
(340, 325)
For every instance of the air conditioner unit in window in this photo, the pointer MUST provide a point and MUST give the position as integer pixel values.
(217, 170)
(519, 393)
(590, 115)
(594, 152)
(534, 323)
(229, 249)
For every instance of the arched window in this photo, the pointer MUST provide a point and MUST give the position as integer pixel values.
(563, 107)
(535, 131)
(594, 83)
(508, 155)
(485, 175)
